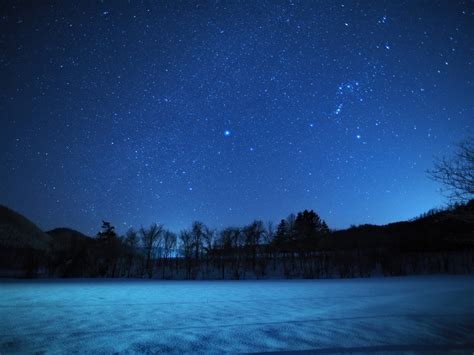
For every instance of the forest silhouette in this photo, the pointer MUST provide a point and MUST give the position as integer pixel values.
(299, 246)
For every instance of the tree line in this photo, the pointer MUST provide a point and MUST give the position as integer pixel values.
(202, 252)
(299, 246)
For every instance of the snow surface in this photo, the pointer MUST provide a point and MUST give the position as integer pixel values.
(409, 314)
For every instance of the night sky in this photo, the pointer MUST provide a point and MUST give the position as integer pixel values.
(229, 111)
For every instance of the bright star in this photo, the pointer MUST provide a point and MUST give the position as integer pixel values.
(227, 133)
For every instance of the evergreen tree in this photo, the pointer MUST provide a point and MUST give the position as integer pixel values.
(309, 228)
(281, 239)
(107, 231)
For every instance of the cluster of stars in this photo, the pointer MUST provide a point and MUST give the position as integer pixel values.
(170, 112)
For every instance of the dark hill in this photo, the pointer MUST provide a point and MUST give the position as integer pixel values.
(72, 252)
(25, 250)
(64, 238)
(18, 232)
(452, 228)
(23, 246)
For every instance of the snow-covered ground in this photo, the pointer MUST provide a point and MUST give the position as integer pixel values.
(409, 314)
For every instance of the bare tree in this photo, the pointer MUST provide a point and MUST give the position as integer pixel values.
(225, 247)
(187, 248)
(150, 239)
(197, 234)
(208, 242)
(169, 246)
(131, 244)
(269, 233)
(253, 234)
(457, 173)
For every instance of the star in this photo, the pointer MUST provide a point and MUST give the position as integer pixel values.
(208, 104)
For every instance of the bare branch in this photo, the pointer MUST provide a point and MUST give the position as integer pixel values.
(457, 173)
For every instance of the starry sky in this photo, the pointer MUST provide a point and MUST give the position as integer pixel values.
(225, 112)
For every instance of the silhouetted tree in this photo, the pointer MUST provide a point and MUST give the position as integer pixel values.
(308, 226)
(109, 250)
(457, 172)
(281, 236)
(253, 234)
(169, 246)
(150, 240)
(198, 231)
(107, 231)
(207, 244)
(268, 239)
(225, 247)
(131, 242)
(187, 249)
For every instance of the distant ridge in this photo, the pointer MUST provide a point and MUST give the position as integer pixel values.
(17, 231)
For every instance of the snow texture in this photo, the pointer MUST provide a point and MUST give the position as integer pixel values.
(407, 314)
